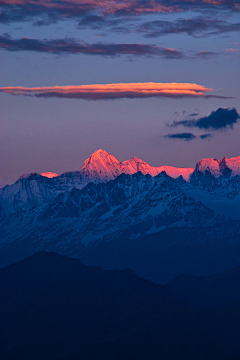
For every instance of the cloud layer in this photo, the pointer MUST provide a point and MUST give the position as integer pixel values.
(197, 26)
(50, 11)
(72, 46)
(115, 91)
(217, 120)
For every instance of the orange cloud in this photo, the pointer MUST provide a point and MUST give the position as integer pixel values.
(115, 91)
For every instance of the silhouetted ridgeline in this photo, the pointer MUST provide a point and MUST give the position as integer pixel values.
(55, 307)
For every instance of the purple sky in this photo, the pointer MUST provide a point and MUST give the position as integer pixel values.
(48, 43)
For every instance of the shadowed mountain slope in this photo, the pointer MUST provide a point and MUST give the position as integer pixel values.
(145, 223)
(54, 307)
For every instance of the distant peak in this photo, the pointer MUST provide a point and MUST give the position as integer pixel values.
(49, 175)
(101, 165)
(100, 155)
(225, 167)
(28, 175)
(137, 159)
(99, 152)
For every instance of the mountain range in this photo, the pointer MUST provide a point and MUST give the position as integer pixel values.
(159, 226)
(33, 189)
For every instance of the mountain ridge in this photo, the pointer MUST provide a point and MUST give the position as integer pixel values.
(117, 223)
(103, 166)
(33, 189)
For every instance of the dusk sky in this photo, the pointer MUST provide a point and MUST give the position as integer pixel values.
(158, 79)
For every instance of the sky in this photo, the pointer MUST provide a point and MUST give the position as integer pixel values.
(154, 79)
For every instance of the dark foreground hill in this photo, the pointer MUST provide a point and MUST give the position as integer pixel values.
(55, 307)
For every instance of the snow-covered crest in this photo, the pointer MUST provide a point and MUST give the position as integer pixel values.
(105, 166)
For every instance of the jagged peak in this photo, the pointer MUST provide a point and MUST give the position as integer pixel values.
(236, 158)
(216, 168)
(49, 174)
(139, 174)
(100, 156)
(214, 160)
(163, 174)
(103, 165)
(137, 159)
(208, 161)
(29, 175)
(99, 152)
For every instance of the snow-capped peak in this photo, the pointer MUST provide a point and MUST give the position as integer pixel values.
(100, 153)
(208, 169)
(101, 166)
(211, 165)
(217, 167)
(135, 164)
(233, 164)
(49, 175)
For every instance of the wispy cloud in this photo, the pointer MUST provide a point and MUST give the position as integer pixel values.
(187, 136)
(206, 54)
(228, 51)
(72, 46)
(116, 91)
(181, 136)
(205, 136)
(217, 120)
(198, 26)
(51, 10)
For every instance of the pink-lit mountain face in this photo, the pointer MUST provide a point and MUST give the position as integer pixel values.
(102, 166)
(32, 190)
(209, 169)
(82, 212)
(217, 167)
(49, 175)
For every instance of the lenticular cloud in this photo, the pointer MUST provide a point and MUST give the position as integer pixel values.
(114, 91)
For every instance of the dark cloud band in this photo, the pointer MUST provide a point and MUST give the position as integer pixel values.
(187, 136)
(52, 10)
(181, 136)
(72, 46)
